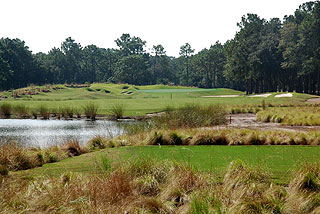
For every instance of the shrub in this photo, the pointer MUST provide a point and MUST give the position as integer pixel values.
(5, 110)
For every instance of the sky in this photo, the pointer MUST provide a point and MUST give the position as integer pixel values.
(44, 24)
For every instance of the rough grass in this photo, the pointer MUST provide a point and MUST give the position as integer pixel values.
(146, 186)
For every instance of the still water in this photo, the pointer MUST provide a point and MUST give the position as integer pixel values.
(44, 133)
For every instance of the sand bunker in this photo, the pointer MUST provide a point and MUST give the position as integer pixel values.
(313, 100)
(284, 95)
(260, 95)
(222, 96)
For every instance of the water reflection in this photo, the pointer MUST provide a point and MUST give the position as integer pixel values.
(49, 132)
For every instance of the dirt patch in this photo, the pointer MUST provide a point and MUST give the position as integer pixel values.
(313, 100)
(223, 96)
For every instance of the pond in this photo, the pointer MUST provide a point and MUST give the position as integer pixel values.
(43, 133)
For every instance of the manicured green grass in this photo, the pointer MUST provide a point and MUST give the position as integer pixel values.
(279, 160)
(139, 100)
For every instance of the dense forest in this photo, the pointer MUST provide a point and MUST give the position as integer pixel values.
(263, 56)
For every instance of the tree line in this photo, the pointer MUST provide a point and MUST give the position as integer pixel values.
(263, 56)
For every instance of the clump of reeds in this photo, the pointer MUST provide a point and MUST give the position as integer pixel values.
(117, 110)
(69, 111)
(6, 110)
(44, 112)
(90, 110)
(22, 111)
(77, 112)
(191, 116)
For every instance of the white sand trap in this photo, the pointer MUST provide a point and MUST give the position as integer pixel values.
(260, 95)
(284, 95)
(223, 96)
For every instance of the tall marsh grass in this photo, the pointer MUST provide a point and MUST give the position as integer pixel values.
(44, 112)
(90, 110)
(191, 116)
(5, 110)
(22, 111)
(117, 110)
